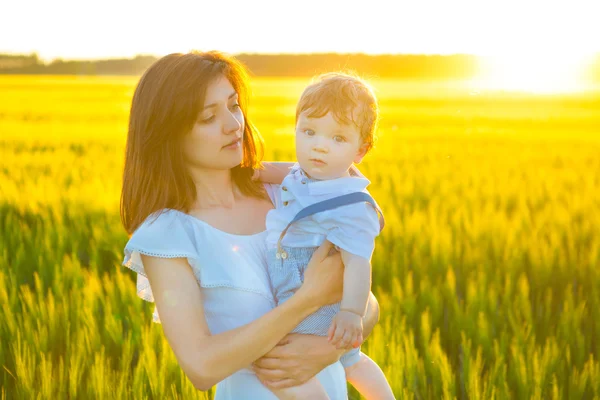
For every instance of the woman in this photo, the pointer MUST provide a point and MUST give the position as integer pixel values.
(198, 224)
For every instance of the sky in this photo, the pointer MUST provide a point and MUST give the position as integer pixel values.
(85, 29)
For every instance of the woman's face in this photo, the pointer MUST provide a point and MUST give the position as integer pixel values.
(215, 141)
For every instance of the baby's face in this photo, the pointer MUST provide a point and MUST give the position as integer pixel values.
(325, 148)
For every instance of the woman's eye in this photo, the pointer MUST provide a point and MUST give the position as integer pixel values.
(207, 120)
(339, 139)
(309, 132)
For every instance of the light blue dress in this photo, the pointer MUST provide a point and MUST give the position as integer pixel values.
(231, 271)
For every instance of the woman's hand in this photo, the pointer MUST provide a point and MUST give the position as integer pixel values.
(324, 277)
(295, 360)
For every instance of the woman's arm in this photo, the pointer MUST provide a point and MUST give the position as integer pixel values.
(275, 171)
(297, 358)
(207, 359)
(272, 171)
(371, 317)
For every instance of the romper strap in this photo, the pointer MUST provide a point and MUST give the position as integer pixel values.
(330, 204)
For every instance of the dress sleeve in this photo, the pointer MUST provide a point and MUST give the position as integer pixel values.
(162, 235)
(217, 259)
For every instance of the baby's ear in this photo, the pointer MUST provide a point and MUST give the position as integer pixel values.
(360, 154)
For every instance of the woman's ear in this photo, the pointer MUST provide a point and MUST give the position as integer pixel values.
(360, 154)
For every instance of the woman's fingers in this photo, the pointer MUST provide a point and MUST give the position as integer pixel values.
(267, 363)
(323, 251)
(274, 363)
(281, 384)
(331, 330)
(284, 341)
(280, 351)
(323, 278)
(270, 374)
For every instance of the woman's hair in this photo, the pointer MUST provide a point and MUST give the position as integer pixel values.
(164, 109)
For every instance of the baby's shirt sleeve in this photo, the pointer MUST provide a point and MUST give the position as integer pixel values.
(353, 228)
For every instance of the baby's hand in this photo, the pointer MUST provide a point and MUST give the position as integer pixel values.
(346, 330)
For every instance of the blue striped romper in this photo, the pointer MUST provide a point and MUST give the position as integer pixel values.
(286, 264)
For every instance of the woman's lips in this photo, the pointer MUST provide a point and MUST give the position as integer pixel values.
(234, 145)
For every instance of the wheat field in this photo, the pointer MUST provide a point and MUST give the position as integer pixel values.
(486, 274)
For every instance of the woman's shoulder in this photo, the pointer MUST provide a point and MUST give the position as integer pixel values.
(162, 222)
(164, 233)
(216, 258)
(164, 217)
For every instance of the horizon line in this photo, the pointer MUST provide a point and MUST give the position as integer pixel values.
(130, 57)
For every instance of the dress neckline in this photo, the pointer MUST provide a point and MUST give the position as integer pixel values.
(198, 220)
(249, 236)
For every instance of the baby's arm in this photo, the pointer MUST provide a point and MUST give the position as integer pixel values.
(272, 172)
(357, 283)
(346, 327)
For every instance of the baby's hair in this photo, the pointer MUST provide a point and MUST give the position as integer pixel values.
(349, 98)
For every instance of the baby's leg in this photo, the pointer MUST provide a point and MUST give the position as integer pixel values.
(366, 377)
(310, 390)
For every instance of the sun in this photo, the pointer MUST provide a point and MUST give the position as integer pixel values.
(535, 73)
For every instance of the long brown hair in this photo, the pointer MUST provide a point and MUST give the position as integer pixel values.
(164, 109)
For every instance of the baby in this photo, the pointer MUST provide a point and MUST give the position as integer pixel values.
(335, 123)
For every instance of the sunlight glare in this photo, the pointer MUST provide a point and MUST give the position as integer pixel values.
(535, 73)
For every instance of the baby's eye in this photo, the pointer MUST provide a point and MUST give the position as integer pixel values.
(235, 106)
(339, 139)
(309, 132)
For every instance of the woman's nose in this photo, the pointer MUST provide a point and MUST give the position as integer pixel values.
(232, 124)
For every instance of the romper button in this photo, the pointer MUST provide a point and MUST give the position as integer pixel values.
(303, 182)
(285, 203)
(284, 188)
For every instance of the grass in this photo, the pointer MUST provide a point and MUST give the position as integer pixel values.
(486, 273)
